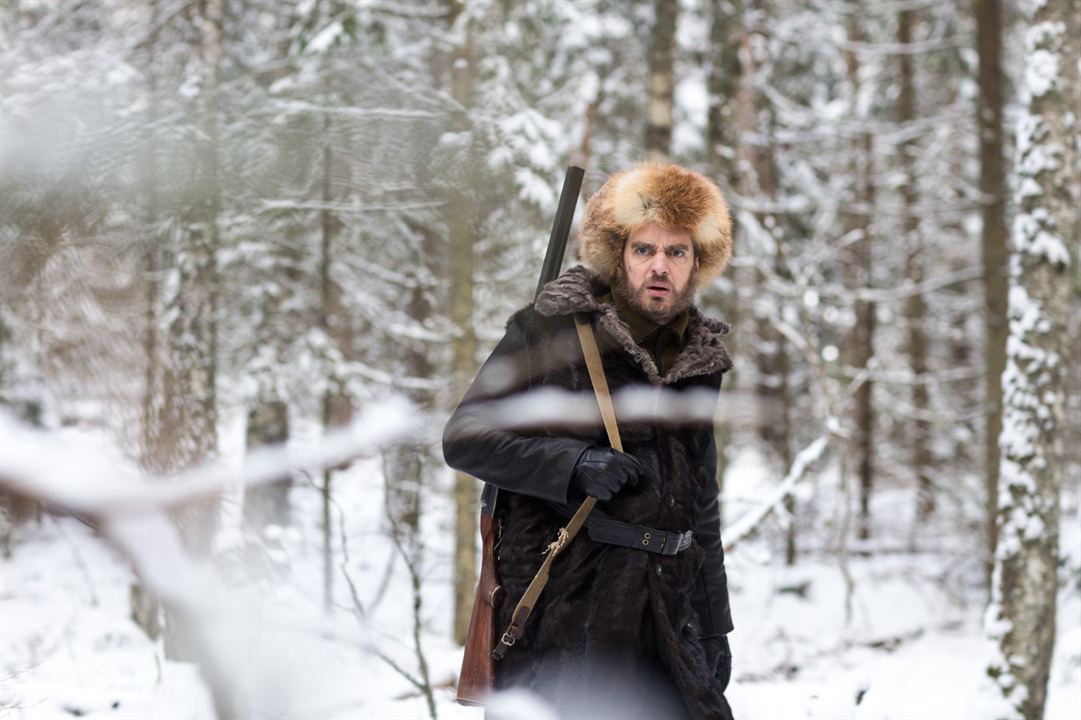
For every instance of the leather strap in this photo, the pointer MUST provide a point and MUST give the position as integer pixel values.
(596, 376)
(563, 538)
(637, 537)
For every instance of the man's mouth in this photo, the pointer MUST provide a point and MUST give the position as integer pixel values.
(658, 290)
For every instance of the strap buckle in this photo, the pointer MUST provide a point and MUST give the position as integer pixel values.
(505, 643)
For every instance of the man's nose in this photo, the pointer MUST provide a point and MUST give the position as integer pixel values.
(659, 264)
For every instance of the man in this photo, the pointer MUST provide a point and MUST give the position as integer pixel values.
(633, 621)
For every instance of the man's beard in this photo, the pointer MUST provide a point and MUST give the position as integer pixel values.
(635, 299)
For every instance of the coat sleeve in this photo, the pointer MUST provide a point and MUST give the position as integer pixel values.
(475, 443)
(710, 596)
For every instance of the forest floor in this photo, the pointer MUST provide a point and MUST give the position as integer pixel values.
(910, 644)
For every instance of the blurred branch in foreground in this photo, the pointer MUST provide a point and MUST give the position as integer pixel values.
(129, 506)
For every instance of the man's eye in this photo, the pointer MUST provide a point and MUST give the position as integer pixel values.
(641, 251)
(678, 252)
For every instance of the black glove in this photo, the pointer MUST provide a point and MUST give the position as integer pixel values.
(602, 472)
(719, 658)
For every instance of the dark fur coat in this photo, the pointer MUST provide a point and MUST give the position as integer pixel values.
(616, 631)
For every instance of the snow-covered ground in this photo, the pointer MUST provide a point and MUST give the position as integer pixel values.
(911, 646)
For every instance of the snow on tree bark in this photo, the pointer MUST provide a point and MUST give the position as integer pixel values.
(180, 415)
(1021, 617)
(188, 420)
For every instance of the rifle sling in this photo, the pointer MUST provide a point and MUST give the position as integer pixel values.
(566, 534)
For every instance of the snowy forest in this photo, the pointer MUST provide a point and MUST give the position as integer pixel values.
(252, 253)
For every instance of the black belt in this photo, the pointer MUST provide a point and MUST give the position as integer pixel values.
(638, 537)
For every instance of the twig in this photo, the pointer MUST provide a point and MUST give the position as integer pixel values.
(361, 615)
(410, 678)
(384, 583)
(424, 685)
(846, 524)
(81, 564)
(747, 524)
(358, 606)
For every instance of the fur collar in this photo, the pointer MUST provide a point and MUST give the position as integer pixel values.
(578, 290)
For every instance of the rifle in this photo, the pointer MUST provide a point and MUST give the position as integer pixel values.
(476, 678)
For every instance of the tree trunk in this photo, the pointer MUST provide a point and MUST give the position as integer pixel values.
(863, 335)
(915, 306)
(145, 608)
(857, 228)
(784, 448)
(582, 156)
(464, 346)
(268, 424)
(15, 510)
(407, 468)
(772, 389)
(151, 253)
(993, 245)
(337, 405)
(722, 82)
(722, 141)
(1021, 618)
(190, 402)
(661, 79)
(189, 405)
(326, 247)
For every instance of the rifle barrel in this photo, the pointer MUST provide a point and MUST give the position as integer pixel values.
(561, 228)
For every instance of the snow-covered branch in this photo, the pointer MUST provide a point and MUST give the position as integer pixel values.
(381, 113)
(746, 525)
(349, 207)
(86, 481)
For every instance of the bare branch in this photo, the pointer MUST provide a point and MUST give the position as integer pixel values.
(746, 525)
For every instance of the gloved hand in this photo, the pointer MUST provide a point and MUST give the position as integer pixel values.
(602, 472)
(719, 657)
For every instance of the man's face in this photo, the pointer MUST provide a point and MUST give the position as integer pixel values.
(657, 277)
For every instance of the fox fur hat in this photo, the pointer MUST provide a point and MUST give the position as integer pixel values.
(661, 193)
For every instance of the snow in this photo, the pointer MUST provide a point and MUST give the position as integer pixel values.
(325, 38)
(691, 101)
(516, 704)
(750, 520)
(67, 643)
(912, 648)
(1031, 234)
(1042, 71)
(1034, 229)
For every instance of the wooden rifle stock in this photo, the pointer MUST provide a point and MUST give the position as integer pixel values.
(477, 676)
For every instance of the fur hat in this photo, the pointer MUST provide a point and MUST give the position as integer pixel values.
(661, 193)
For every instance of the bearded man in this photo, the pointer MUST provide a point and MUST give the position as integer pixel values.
(635, 617)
